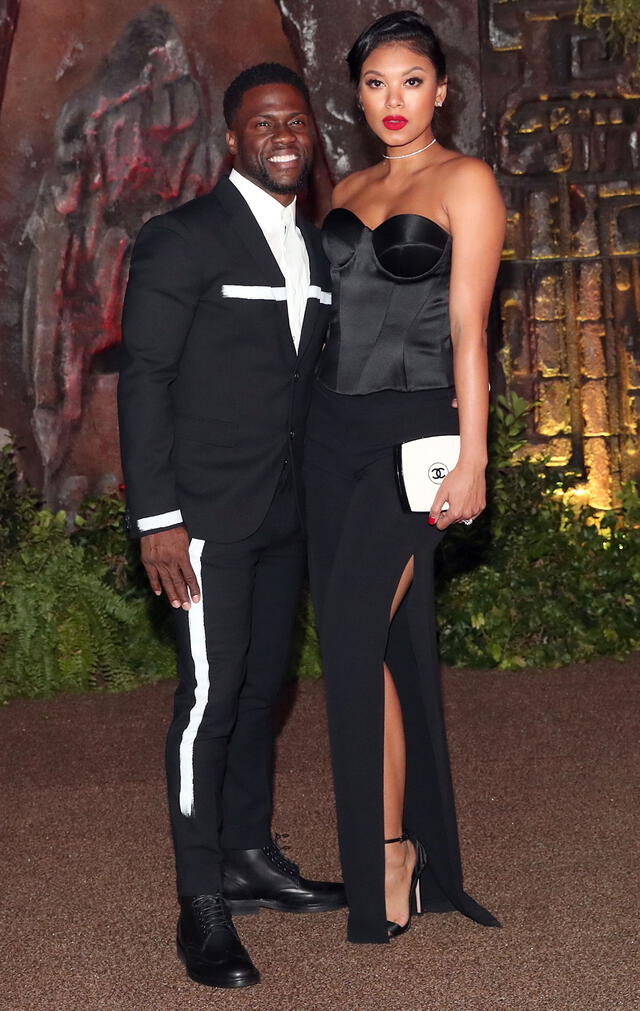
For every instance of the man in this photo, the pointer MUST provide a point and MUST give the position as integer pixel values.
(225, 313)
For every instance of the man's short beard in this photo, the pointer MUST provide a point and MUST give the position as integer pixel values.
(261, 175)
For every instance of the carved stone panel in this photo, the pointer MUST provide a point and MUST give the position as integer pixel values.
(131, 144)
(564, 139)
(122, 120)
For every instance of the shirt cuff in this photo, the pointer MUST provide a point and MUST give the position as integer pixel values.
(170, 519)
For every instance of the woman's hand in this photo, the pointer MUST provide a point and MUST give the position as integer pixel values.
(464, 489)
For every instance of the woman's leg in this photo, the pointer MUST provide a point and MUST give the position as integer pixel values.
(400, 857)
(361, 551)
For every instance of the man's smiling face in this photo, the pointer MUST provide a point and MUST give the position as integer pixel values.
(272, 139)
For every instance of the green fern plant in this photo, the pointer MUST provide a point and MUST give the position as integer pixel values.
(534, 582)
(537, 582)
(307, 663)
(63, 627)
(18, 504)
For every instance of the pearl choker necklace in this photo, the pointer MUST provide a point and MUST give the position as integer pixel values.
(392, 157)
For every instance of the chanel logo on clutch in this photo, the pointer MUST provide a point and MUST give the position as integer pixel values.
(421, 465)
(437, 472)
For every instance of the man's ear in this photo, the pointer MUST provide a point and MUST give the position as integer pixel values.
(232, 142)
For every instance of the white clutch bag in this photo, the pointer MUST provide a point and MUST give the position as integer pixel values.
(421, 467)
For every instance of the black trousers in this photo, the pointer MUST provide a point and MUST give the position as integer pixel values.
(233, 650)
(360, 541)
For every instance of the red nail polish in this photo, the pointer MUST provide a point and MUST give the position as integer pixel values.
(432, 521)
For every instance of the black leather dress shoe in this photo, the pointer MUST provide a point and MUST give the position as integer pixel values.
(264, 878)
(209, 945)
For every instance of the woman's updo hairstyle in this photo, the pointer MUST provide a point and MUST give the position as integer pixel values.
(400, 26)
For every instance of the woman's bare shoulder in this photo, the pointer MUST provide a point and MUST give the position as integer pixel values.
(472, 199)
(463, 170)
(467, 183)
(349, 188)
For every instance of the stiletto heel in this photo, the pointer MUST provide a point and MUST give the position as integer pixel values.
(418, 899)
(415, 897)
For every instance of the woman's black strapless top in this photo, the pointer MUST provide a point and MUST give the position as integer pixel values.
(390, 326)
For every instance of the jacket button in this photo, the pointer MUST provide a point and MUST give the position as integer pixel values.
(296, 376)
(292, 433)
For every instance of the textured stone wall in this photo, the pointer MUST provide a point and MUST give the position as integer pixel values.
(9, 10)
(322, 33)
(134, 141)
(111, 113)
(565, 143)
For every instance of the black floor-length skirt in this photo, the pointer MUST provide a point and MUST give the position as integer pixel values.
(360, 541)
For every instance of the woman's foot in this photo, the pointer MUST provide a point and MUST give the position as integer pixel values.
(400, 862)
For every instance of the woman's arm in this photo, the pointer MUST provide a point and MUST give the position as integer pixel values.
(477, 216)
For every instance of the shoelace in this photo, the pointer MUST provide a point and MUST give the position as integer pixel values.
(273, 852)
(211, 912)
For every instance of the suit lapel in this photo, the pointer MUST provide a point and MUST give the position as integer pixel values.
(248, 231)
(315, 253)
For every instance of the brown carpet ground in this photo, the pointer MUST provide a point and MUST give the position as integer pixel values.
(546, 771)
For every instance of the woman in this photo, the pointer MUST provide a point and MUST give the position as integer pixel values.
(414, 243)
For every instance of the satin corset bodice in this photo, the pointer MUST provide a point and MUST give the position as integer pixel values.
(390, 325)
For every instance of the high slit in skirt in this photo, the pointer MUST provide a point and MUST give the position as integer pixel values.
(360, 541)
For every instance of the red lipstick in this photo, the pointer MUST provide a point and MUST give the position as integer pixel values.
(395, 122)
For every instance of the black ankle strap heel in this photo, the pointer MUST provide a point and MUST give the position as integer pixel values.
(415, 898)
(399, 838)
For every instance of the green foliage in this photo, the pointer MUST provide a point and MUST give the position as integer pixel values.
(535, 581)
(18, 505)
(63, 627)
(622, 17)
(72, 614)
(306, 663)
(538, 581)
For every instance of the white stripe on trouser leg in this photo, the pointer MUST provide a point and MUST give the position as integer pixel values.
(198, 643)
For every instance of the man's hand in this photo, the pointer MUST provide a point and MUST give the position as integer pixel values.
(165, 557)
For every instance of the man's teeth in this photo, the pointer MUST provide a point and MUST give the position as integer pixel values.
(283, 158)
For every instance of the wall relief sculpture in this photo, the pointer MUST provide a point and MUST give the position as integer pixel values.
(131, 144)
(94, 145)
(565, 141)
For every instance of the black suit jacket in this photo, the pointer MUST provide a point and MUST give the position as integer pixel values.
(212, 396)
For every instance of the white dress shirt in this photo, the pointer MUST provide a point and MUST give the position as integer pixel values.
(285, 240)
